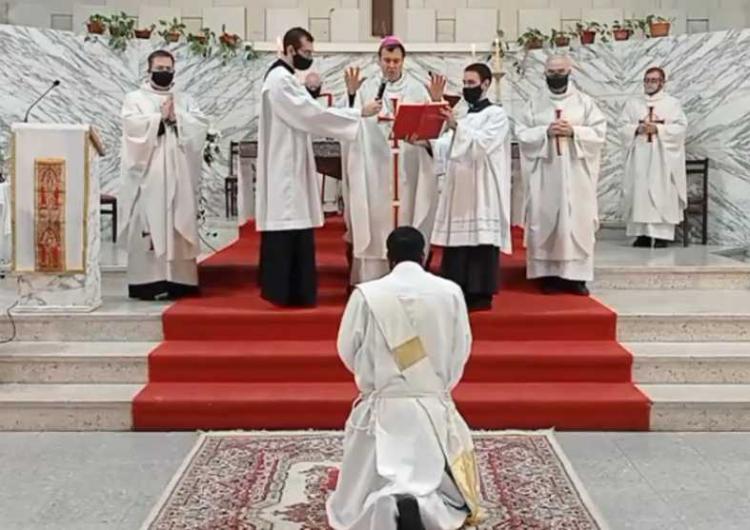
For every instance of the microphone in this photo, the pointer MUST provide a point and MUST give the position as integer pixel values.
(381, 90)
(40, 98)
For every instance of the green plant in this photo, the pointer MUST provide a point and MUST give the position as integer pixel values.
(202, 43)
(171, 31)
(587, 31)
(96, 24)
(229, 45)
(650, 19)
(560, 39)
(249, 52)
(121, 29)
(532, 39)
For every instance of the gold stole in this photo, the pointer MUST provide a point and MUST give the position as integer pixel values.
(49, 214)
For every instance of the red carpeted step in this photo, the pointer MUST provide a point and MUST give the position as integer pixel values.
(579, 406)
(317, 361)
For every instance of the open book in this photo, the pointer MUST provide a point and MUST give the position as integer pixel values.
(420, 119)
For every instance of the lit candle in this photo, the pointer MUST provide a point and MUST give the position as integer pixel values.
(498, 61)
(473, 51)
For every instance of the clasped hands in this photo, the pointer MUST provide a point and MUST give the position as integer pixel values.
(560, 128)
(167, 110)
(647, 127)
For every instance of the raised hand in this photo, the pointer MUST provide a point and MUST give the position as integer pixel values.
(353, 80)
(437, 86)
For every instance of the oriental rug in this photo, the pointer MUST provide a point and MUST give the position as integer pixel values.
(280, 481)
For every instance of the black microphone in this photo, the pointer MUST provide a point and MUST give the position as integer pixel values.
(381, 90)
(40, 98)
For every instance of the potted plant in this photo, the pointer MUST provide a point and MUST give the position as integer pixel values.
(587, 31)
(620, 31)
(121, 28)
(658, 26)
(560, 39)
(200, 44)
(172, 31)
(229, 43)
(532, 39)
(96, 24)
(144, 33)
(249, 53)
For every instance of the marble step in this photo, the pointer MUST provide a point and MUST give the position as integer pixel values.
(66, 407)
(690, 362)
(671, 277)
(699, 407)
(693, 315)
(75, 362)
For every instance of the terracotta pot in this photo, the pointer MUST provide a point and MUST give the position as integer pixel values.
(201, 38)
(96, 27)
(228, 38)
(659, 29)
(562, 42)
(588, 37)
(143, 33)
(173, 36)
(621, 34)
(534, 44)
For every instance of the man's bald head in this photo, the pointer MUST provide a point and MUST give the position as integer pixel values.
(312, 80)
(558, 65)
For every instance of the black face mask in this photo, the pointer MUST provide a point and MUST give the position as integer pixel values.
(472, 94)
(557, 83)
(162, 79)
(300, 62)
(314, 92)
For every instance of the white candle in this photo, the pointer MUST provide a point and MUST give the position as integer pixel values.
(498, 60)
(473, 51)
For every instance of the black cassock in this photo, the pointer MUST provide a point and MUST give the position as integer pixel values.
(476, 270)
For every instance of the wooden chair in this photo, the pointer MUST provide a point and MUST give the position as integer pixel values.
(697, 169)
(111, 201)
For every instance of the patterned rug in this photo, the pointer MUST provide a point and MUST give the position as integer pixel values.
(280, 481)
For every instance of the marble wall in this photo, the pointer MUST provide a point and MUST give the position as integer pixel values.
(709, 72)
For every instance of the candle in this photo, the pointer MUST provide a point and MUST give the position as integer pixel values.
(498, 60)
(473, 51)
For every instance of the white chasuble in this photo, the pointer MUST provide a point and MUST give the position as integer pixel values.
(561, 177)
(160, 178)
(406, 338)
(368, 181)
(474, 205)
(654, 180)
(288, 188)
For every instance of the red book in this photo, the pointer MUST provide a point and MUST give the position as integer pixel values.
(421, 119)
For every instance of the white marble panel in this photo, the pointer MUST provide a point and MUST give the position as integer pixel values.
(151, 14)
(476, 25)
(278, 21)
(345, 25)
(541, 19)
(421, 25)
(229, 19)
(603, 16)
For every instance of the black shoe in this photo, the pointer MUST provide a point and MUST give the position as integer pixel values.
(551, 285)
(577, 287)
(661, 243)
(408, 513)
(642, 242)
(479, 302)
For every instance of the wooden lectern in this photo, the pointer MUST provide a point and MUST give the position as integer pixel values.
(55, 217)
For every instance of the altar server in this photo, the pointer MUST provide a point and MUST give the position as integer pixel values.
(164, 133)
(408, 460)
(288, 204)
(561, 135)
(654, 183)
(473, 214)
(368, 166)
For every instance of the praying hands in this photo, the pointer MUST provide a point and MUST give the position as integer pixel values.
(560, 128)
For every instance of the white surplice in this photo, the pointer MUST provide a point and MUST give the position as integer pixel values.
(288, 189)
(406, 338)
(561, 217)
(368, 181)
(654, 180)
(474, 206)
(160, 177)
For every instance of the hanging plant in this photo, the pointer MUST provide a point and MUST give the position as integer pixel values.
(171, 31)
(201, 44)
(121, 29)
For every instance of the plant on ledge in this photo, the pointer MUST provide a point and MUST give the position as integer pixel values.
(97, 24)
(560, 39)
(121, 29)
(658, 26)
(229, 44)
(201, 44)
(587, 32)
(144, 33)
(249, 53)
(532, 39)
(171, 31)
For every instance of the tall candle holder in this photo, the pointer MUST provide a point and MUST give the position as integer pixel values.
(498, 54)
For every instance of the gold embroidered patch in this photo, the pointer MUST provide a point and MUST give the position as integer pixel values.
(49, 213)
(464, 470)
(409, 353)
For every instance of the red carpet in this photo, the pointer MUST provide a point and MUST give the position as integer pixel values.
(232, 361)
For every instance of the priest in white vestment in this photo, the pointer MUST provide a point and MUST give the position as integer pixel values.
(561, 135)
(368, 167)
(473, 214)
(408, 455)
(654, 183)
(163, 136)
(288, 205)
